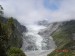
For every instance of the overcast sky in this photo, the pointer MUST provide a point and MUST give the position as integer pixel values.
(29, 11)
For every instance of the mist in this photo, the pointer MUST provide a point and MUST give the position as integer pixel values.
(31, 11)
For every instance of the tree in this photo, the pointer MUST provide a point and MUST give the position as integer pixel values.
(1, 10)
(2, 41)
(13, 51)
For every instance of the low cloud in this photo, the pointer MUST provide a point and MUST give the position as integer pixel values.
(29, 11)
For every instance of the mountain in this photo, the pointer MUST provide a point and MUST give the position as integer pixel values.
(11, 36)
(20, 27)
(65, 39)
(63, 33)
(44, 22)
(49, 30)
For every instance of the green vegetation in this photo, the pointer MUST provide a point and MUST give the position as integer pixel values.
(15, 52)
(15, 37)
(10, 37)
(3, 41)
(63, 38)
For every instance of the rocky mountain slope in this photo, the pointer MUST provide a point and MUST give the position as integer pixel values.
(64, 39)
(10, 35)
(63, 33)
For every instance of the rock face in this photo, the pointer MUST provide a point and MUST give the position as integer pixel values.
(73, 36)
(43, 22)
(49, 30)
(64, 38)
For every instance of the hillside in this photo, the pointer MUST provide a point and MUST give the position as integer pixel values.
(11, 37)
(64, 38)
